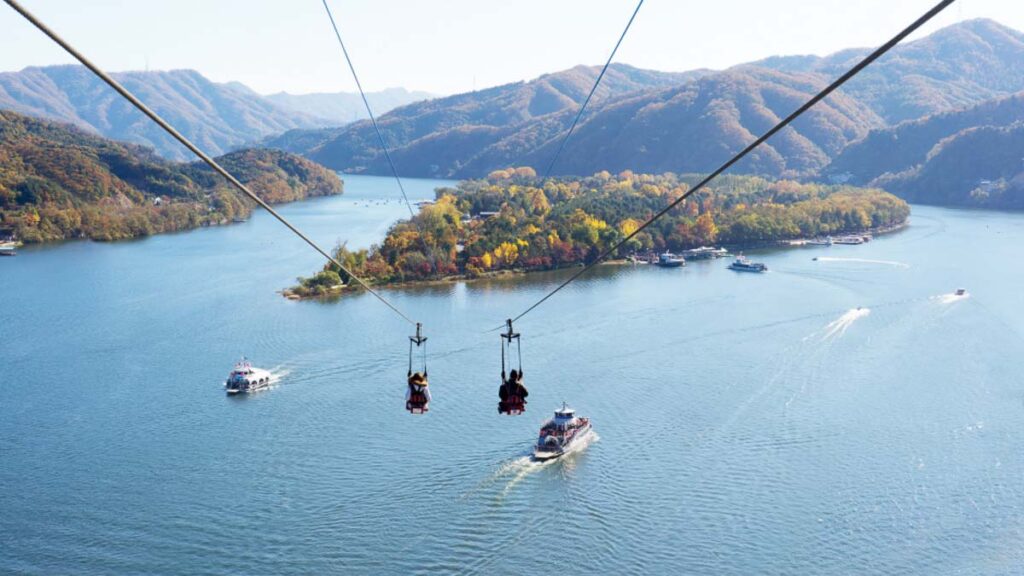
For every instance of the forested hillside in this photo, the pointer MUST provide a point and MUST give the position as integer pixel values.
(696, 127)
(58, 182)
(969, 157)
(977, 167)
(904, 146)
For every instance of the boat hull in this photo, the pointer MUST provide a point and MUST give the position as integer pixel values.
(255, 382)
(578, 441)
(253, 388)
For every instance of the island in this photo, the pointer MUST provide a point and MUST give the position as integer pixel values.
(512, 221)
(58, 182)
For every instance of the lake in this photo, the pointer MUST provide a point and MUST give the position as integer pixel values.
(747, 423)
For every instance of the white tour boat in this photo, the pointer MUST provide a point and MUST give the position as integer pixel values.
(245, 378)
(561, 434)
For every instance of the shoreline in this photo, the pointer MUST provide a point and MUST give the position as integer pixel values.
(341, 290)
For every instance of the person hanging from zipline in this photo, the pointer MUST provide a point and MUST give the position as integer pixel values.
(417, 394)
(511, 394)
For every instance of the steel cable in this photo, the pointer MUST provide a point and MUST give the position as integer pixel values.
(593, 89)
(193, 148)
(380, 138)
(739, 156)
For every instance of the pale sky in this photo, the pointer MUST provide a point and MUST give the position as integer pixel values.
(455, 45)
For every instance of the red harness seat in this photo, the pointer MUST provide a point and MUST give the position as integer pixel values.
(513, 406)
(417, 403)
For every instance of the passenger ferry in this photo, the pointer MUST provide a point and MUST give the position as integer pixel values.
(742, 264)
(561, 434)
(245, 378)
(670, 260)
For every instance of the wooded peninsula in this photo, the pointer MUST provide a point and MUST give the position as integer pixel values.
(512, 221)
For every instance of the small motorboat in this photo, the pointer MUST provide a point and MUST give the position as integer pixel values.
(961, 292)
(561, 434)
(245, 378)
(670, 260)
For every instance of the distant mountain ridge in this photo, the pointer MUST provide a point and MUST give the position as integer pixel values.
(217, 117)
(957, 66)
(651, 122)
(340, 108)
(695, 127)
(445, 129)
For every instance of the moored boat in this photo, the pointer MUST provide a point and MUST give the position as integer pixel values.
(670, 260)
(705, 253)
(743, 264)
(562, 434)
(245, 378)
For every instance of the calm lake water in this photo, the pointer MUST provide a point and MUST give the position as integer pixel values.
(748, 423)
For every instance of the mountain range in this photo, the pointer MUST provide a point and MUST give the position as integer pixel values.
(884, 127)
(439, 137)
(653, 122)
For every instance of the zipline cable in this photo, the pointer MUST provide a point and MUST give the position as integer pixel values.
(380, 137)
(593, 89)
(782, 124)
(195, 150)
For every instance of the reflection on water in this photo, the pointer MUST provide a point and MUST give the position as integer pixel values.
(831, 417)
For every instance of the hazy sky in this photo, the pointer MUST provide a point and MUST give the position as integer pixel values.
(452, 45)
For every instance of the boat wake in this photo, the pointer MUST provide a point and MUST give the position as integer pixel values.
(278, 373)
(951, 298)
(863, 261)
(512, 472)
(839, 326)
